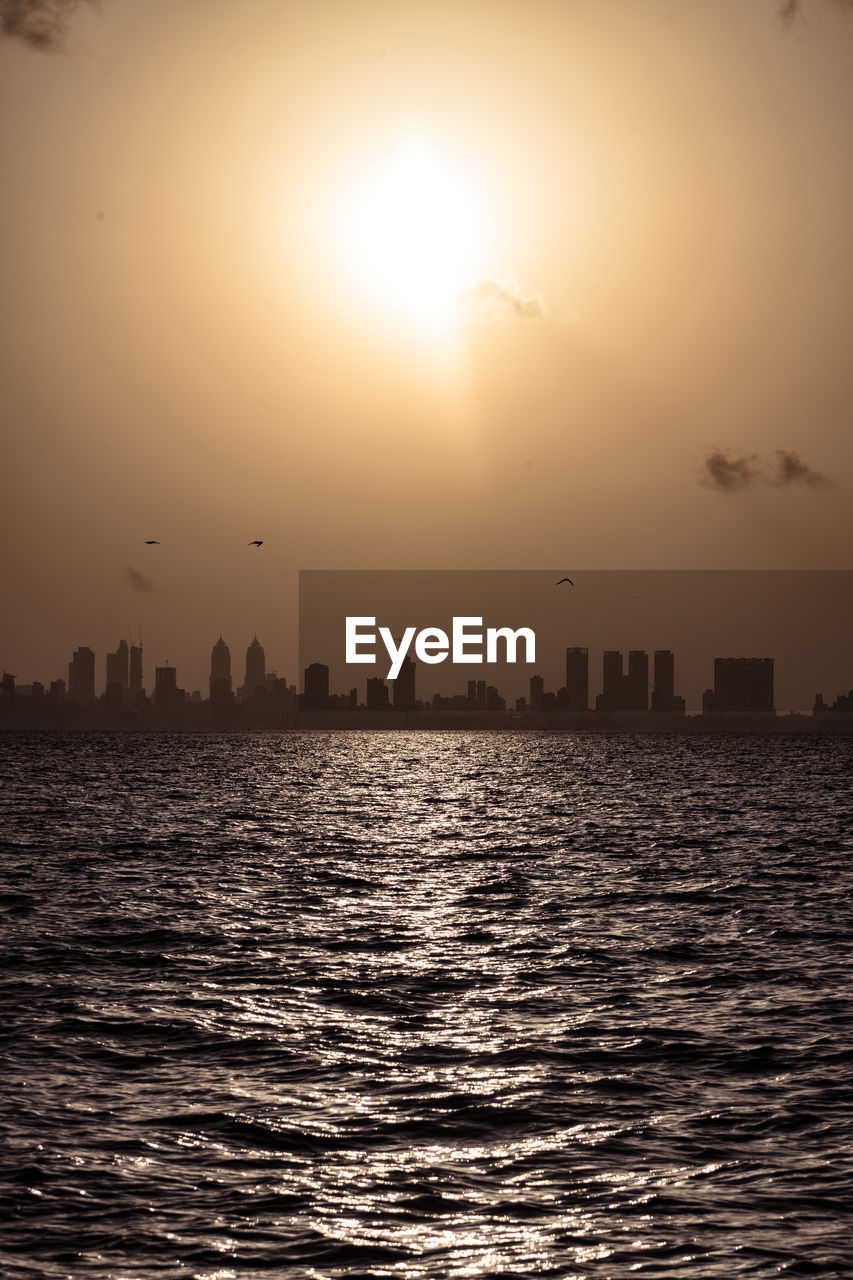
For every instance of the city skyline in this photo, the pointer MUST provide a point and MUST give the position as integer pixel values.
(740, 685)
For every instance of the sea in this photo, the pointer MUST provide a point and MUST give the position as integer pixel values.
(423, 1004)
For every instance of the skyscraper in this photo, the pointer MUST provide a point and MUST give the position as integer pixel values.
(624, 693)
(81, 676)
(256, 669)
(577, 679)
(404, 685)
(742, 686)
(663, 694)
(135, 671)
(220, 673)
(664, 685)
(165, 687)
(316, 695)
(118, 669)
(636, 691)
(377, 694)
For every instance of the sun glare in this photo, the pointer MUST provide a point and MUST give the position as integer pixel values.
(412, 233)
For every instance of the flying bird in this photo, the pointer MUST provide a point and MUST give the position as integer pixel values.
(152, 542)
(571, 584)
(258, 542)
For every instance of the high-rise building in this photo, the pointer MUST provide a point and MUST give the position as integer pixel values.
(624, 693)
(404, 685)
(742, 686)
(537, 694)
(256, 669)
(664, 677)
(612, 677)
(167, 695)
(118, 669)
(664, 697)
(637, 688)
(316, 695)
(135, 671)
(577, 679)
(81, 676)
(377, 694)
(220, 673)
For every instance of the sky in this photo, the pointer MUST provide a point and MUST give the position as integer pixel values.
(411, 285)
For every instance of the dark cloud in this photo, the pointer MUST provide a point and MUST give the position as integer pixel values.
(734, 474)
(790, 469)
(789, 10)
(39, 23)
(492, 297)
(729, 475)
(137, 580)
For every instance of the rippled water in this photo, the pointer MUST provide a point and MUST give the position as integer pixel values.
(426, 1005)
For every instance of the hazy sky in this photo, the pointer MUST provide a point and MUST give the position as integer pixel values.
(413, 285)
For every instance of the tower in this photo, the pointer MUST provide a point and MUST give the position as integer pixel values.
(135, 671)
(81, 676)
(316, 693)
(118, 669)
(404, 685)
(577, 679)
(256, 668)
(636, 692)
(663, 694)
(743, 686)
(220, 673)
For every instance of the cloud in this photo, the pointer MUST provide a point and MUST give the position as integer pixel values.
(39, 23)
(790, 469)
(137, 580)
(490, 297)
(729, 475)
(733, 475)
(789, 10)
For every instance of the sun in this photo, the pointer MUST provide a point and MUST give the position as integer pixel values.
(413, 232)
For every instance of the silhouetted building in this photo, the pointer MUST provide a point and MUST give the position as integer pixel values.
(118, 669)
(220, 674)
(477, 695)
(843, 705)
(167, 695)
(113, 695)
(81, 677)
(7, 685)
(663, 694)
(56, 692)
(577, 680)
(316, 695)
(742, 686)
(377, 694)
(494, 702)
(537, 694)
(637, 691)
(256, 669)
(135, 671)
(624, 693)
(404, 686)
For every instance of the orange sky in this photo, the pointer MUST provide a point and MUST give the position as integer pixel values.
(200, 345)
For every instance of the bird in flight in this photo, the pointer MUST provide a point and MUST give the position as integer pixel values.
(571, 584)
(258, 542)
(152, 542)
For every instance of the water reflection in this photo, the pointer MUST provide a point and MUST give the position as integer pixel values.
(429, 1005)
